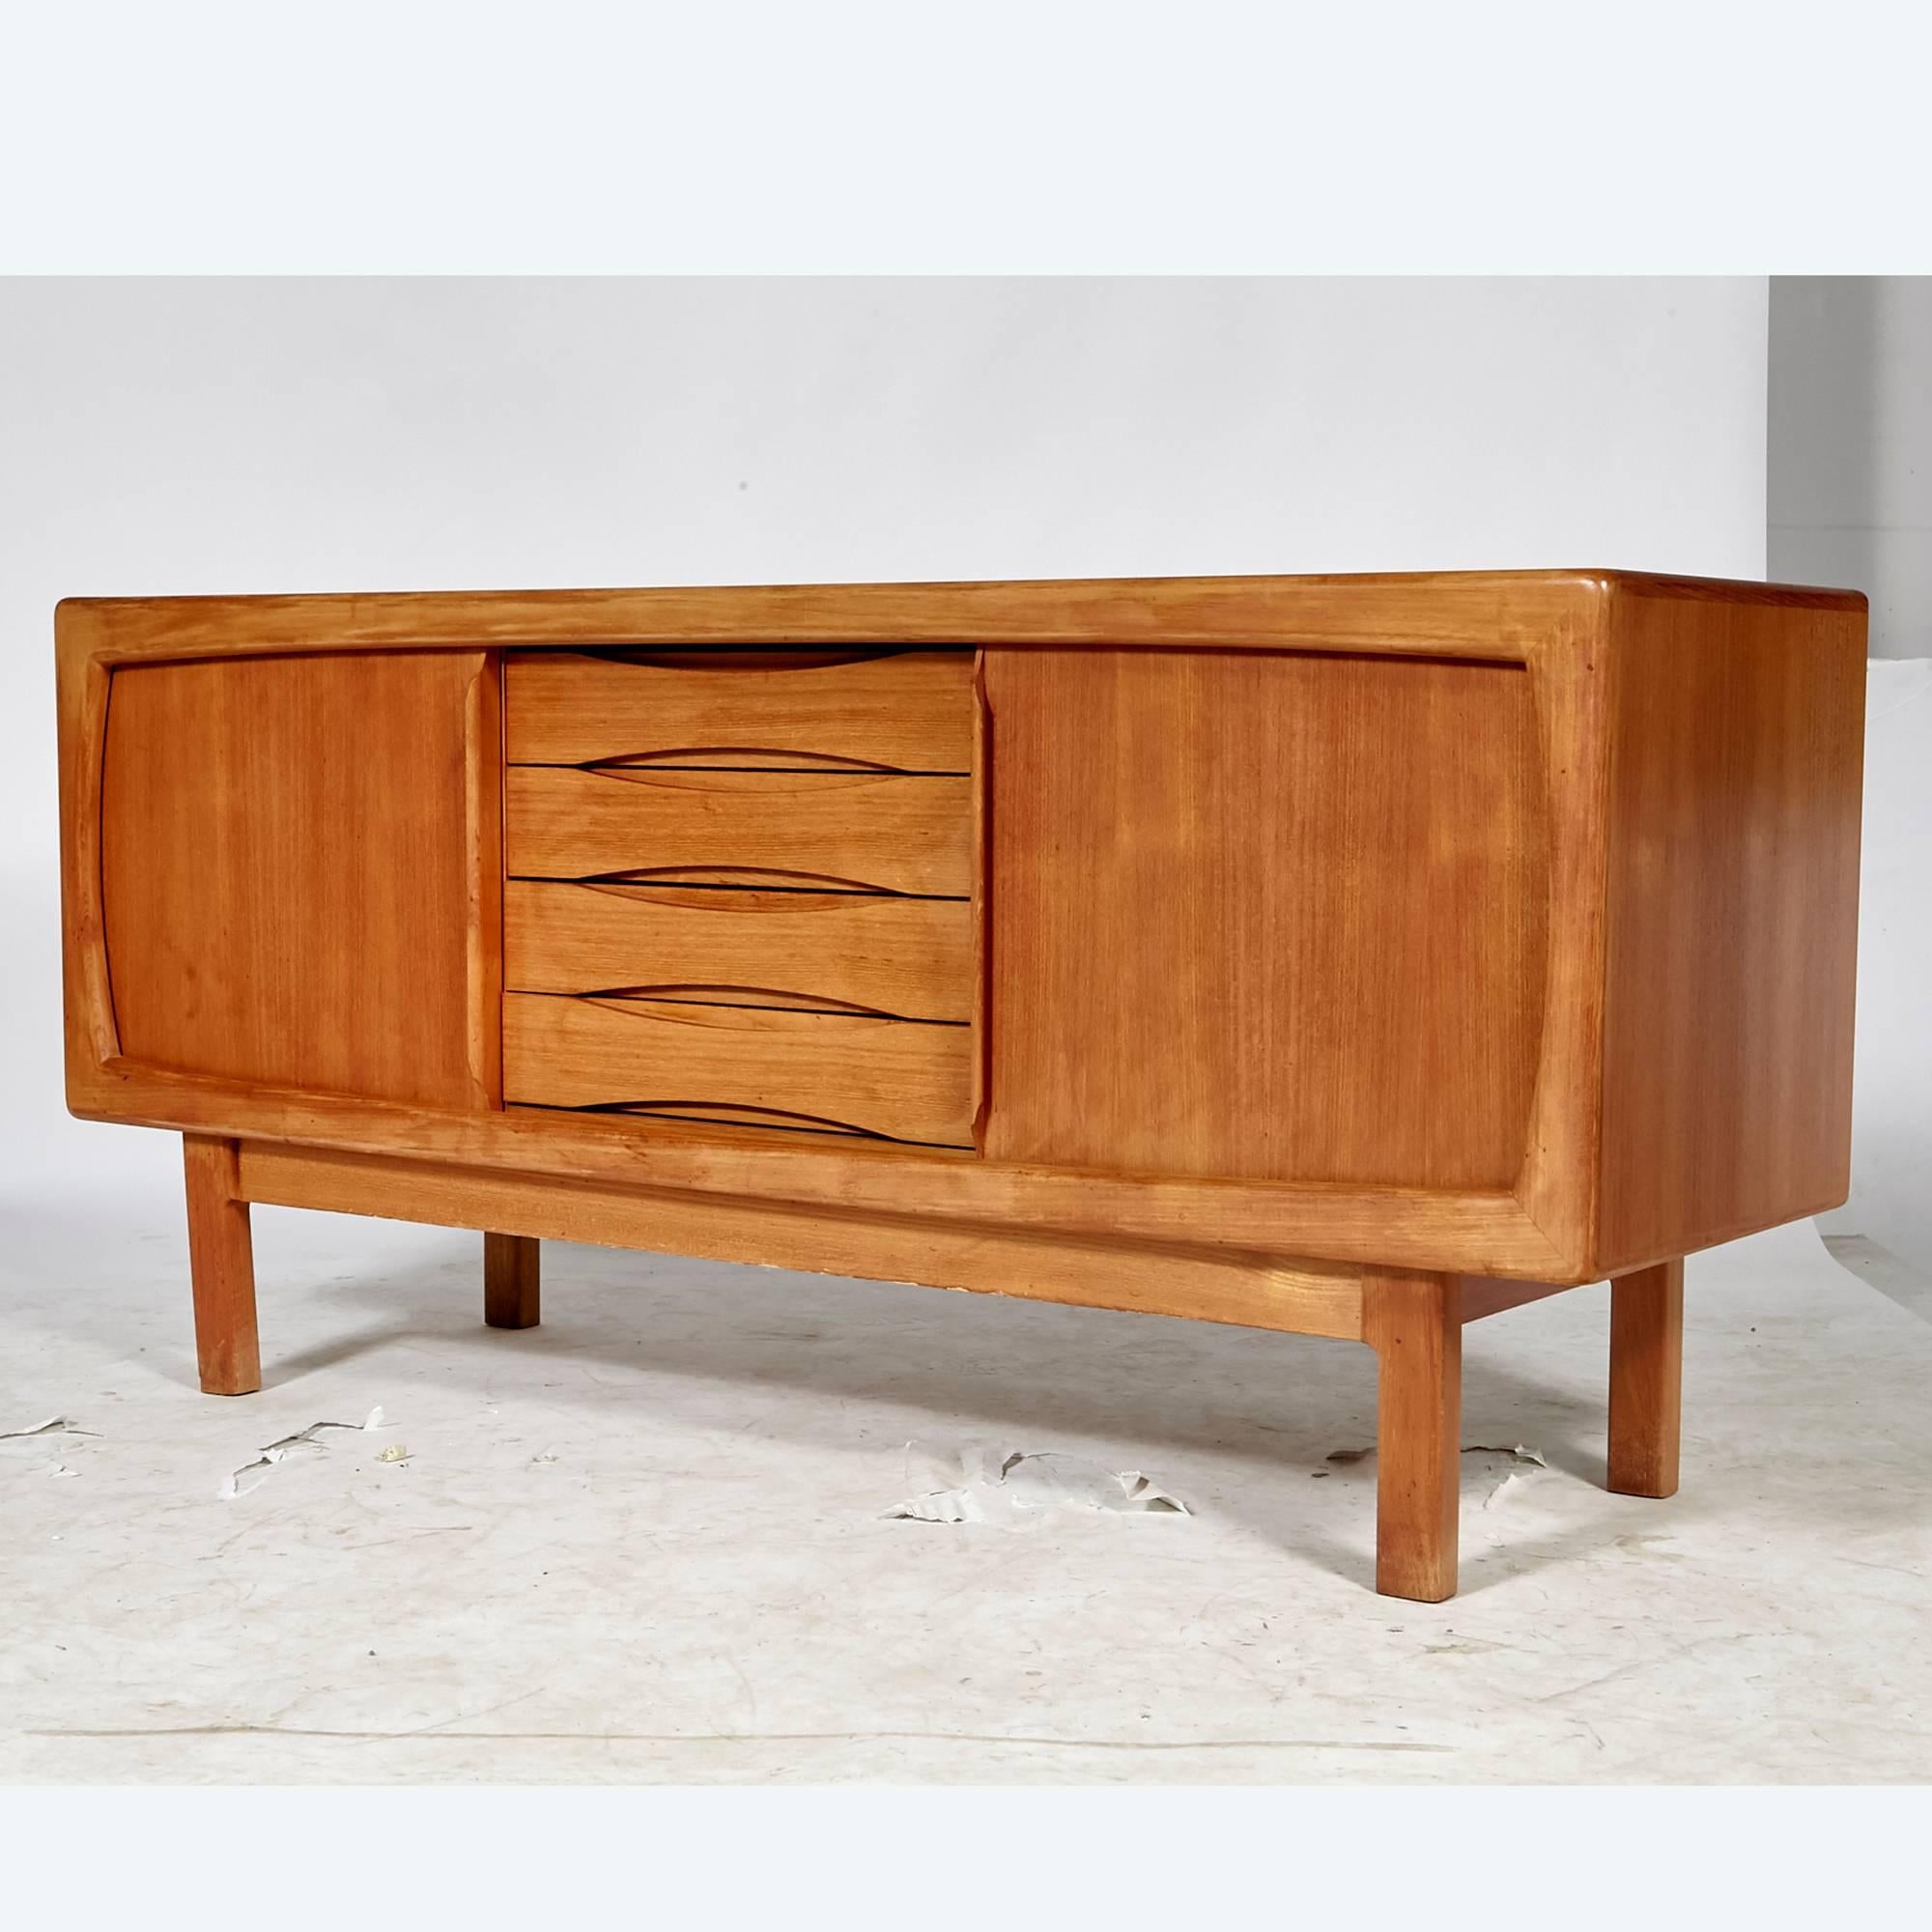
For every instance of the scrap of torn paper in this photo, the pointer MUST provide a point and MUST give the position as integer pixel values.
(310, 1437)
(1518, 1464)
(44, 1432)
(1014, 1488)
(54, 1425)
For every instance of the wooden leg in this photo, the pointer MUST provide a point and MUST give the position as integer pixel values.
(221, 1262)
(511, 1297)
(1646, 1380)
(1413, 1322)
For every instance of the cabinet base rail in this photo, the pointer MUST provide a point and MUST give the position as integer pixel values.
(1414, 1320)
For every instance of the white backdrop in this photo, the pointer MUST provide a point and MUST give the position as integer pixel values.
(1892, 1079)
(211, 436)
(1849, 481)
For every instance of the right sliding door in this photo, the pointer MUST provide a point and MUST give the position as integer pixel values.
(1265, 915)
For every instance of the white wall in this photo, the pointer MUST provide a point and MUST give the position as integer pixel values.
(1850, 446)
(1850, 502)
(1892, 1079)
(205, 435)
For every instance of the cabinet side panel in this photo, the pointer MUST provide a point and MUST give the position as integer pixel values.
(1732, 920)
(299, 871)
(1265, 916)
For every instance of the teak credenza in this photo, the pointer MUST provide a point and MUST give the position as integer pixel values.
(1356, 956)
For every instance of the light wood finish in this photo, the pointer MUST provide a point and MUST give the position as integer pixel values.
(1406, 1226)
(1318, 885)
(1646, 1380)
(484, 869)
(912, 958)
(221, 1265)
(82, 678)
(1556, 1187)
(840, 829)
(1413, 1323)
(1557, 623)
(1253, 1290)
(909, 712)
(901, 1079)
(1482, 1297)
(1356, 956)
(512, 1280)
(1733, 883)
(982, 783)
(1496, 614)
(299, 876)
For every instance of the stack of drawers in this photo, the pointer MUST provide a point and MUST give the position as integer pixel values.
(740, 889)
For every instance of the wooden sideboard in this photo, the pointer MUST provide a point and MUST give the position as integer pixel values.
(1354, 956)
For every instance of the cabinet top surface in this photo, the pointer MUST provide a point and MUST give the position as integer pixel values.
(1449, 610)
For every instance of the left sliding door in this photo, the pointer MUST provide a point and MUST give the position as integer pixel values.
(300, 871)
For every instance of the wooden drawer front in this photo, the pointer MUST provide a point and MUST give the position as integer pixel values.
(893, 1078)
(908, 712)
(908, 957)
(840, 829)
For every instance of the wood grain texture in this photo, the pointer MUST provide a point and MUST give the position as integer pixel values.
(1500, 614)
(981, 1007)
(1486, 1231)
(1268, 917)
(1646, 1380)
(1207, 1285)
(900, 1079)
(297, 872)
(1557, 1186)
(1732, 920)
(221, 1264)
(1481, 933)
(512, 1280)
(1545, 1226)
(1414, 1324)
(81, 686)
(909, 712)
(1478, 1297)
(912, 958)
(483, 859)
(900, 835)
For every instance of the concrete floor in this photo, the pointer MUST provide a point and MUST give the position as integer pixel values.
(646, 1540)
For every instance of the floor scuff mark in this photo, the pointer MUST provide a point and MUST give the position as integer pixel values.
(1014, 1486)
(1647, 1544)
(310, 1437)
